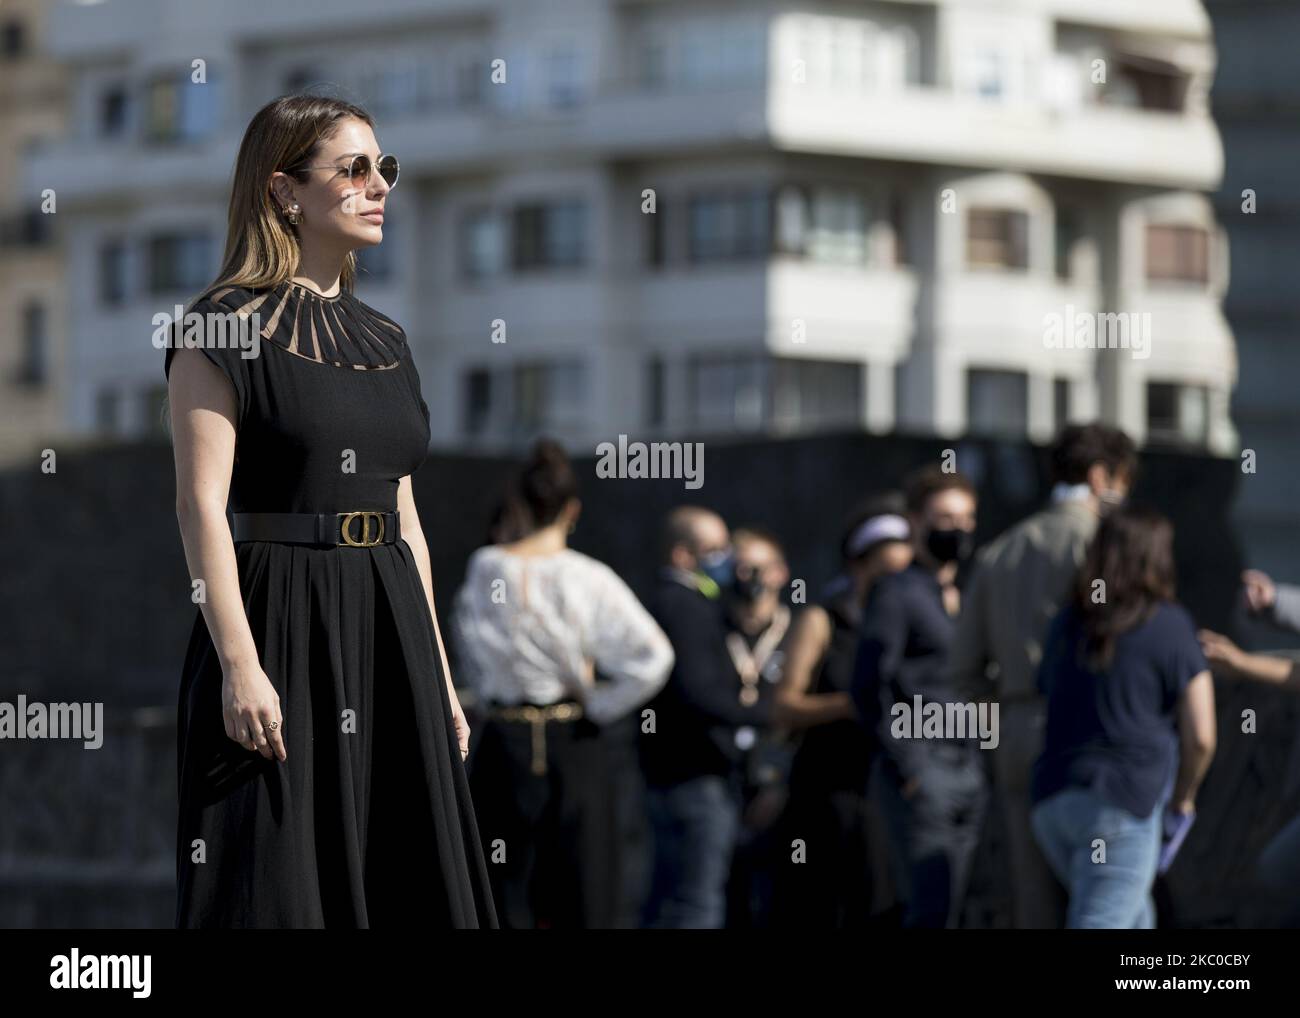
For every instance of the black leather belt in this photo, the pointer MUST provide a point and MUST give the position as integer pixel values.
(364, 529)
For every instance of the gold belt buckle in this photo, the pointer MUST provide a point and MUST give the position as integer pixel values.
(345, 530)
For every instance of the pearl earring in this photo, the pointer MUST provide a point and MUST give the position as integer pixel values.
(293, 213)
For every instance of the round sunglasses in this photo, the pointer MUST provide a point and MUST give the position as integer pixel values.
(359, 167)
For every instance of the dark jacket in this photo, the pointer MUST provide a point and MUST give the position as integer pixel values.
(699, 709)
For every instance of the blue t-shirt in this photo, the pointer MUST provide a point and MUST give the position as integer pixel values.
(1115, 731)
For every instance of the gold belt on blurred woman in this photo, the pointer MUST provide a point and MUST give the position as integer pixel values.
(532, 714)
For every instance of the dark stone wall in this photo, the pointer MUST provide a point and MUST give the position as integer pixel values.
(95, 600)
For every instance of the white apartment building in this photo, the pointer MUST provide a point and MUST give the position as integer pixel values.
(865, 214)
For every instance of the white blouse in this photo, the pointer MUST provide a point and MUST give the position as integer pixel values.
(527, 629)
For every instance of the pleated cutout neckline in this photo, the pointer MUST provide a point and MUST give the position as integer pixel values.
(339, 331)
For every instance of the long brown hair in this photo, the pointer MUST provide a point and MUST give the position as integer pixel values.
(1133, 557)
(262, 248)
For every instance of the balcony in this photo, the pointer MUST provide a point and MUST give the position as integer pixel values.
(929, 125)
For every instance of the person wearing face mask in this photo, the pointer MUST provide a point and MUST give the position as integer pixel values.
(932, 790)
(758, 628)
(1018, 583)
(690, 755)
(844, 883)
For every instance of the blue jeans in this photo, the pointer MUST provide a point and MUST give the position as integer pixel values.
(934, 832)
(695, 825)
(1114, 894)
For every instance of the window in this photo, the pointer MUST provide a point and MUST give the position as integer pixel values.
(656, 396)
(27, 229)
(179, 262)
(997, 238)
(1067, 235)
(13, 39)
(985, 74)
(898, 227)
(997, 403)
(177, 109)
(1177, 414)
(809, 395)
(549, 236)
(112, 272)
(1178, 254)
(656, 240)
(163, 110)
(854, 54)
(562, 69)
(839, 226)
(700, 51)
(729, 227)
(548, 396)
(34, 370)
(468, 79)
(1060, 403)
(113, 112)
(726, 393)
(1146, 84)
(478, 401)
(480, 244)
(824, 223)
(746, 393)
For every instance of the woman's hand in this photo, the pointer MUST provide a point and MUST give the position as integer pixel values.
(1222, 654)
(248, 704)
(459, 720)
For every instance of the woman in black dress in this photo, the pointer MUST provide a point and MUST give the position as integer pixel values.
(845, 882)
(321, 745)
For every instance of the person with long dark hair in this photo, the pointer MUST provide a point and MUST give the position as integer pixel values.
(844, 881)
(1130, 724)
(560, 652)
(321, 743)
(1019, 582)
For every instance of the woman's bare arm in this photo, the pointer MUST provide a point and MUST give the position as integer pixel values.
(413, 535)
(1197, 736)
(795, 707)
(203, 415)
(1226, 657)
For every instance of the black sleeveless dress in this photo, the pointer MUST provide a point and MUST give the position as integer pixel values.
(368, 823)
(844, 882)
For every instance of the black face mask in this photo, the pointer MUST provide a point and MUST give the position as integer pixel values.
(749, 588)
(950, 545)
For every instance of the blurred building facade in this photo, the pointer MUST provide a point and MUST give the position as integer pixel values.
(1256, 99)
(685, 219)
(32, 296)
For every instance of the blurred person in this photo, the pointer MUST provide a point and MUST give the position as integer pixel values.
(1277, 871)
(1019, 582)
(1275, 603)
(692, 757)
(321, 743)
(1130, 724)
(932, 790)
(758, 627)
(844, 879)
(535, 621)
